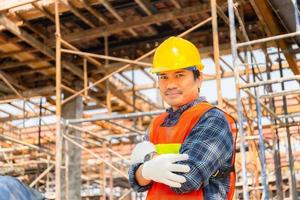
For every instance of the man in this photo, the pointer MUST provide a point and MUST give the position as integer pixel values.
(194, 141)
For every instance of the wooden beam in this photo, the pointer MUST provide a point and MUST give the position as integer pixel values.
(11, 53)
(44, 91)
(145, 7)
(109, 7)
(98, 15)
(31, 27)
(135, 22)
(9, 65)
(78, 14)
(37, 44)
(264, 13)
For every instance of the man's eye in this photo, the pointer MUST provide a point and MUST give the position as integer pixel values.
(162, 77)
(179, 75)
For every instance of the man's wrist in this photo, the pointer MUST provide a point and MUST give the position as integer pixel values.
(142, 181)
(149, 156)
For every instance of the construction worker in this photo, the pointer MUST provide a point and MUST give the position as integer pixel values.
(190, 153)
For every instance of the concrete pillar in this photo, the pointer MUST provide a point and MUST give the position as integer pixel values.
(71, 110)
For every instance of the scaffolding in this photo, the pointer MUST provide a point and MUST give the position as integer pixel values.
(234, 46)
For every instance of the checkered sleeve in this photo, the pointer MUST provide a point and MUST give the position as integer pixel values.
(209, 146)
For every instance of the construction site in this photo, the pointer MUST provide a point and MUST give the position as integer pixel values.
(76, 93)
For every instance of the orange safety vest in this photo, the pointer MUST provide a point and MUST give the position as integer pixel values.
(175, 136)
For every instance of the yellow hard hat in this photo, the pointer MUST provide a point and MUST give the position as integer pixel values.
(176, 53)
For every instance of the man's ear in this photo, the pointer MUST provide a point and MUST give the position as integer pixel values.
(200, 80)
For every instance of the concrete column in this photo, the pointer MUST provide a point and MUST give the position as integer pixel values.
(72, 110)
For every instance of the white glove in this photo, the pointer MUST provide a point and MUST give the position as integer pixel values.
(160, 169)
(140, 151)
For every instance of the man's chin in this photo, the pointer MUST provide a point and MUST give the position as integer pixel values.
(173, 103)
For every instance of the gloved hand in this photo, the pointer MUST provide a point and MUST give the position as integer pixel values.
(140, 151)
(160, 169)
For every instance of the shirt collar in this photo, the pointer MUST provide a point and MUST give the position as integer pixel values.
(186, 106)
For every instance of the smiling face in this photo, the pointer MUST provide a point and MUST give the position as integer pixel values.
(178, 87)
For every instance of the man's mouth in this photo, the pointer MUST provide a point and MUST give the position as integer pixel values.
(172, 93)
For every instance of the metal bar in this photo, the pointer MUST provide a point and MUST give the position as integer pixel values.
(289, 115)
(84, 130)
(58, 147)
(5, 137)
(67, 165)
(96, 156)
(110, 158)
(138, 59)
(281, 93)
(279, 80)
(125, 194)
(261, 145)
(118, 155)
(238, 97)
(267, 39)
(228, 65)
(242, 64)
(276, 147)
(104, 172)
(89, 141)
(127, 128)
(112, 117)
(106, 57)
(41, 176)
(246, 38)
(216, 51)
(264, 106)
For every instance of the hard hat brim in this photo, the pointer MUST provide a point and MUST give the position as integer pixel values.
(166, 69)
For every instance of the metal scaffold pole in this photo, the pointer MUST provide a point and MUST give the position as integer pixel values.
(261, 145)
(292, 180)
(238, 97)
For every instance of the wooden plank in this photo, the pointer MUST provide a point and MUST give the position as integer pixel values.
(98, 15)
(8, 4)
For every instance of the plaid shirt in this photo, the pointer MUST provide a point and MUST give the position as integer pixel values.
(209, 146)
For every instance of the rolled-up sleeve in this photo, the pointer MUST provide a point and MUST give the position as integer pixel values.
(132, 170)
(132, 180)
(209, 146)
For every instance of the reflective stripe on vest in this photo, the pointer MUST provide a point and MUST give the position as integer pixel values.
(167, 148)
(169, 140)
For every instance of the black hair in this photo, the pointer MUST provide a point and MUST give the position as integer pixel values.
(196, 74)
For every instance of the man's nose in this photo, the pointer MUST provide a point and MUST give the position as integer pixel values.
(171, 83)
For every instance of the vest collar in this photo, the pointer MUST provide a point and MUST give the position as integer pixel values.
(186, 106)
